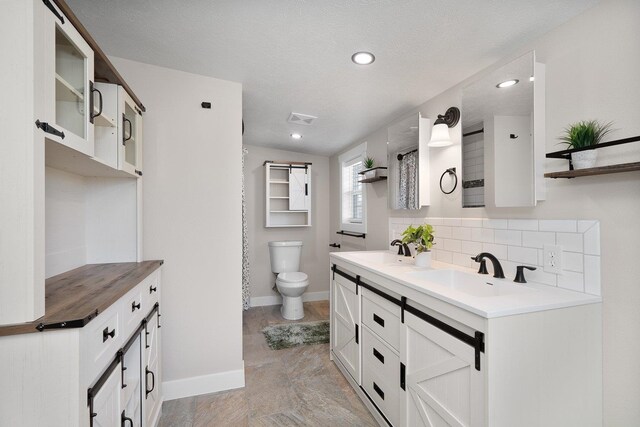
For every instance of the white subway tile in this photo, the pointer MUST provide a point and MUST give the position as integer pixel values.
(495, 223)
(585, 225)
(451, 245)
(461, 233)
(527, 256)
(541, 276)
(537, 239)
(471, 222)
(445, 256)
(434, 221)
(562, 225)
(476, 234)
(572, 281)
(487, 235)
(592, 240)
(462, 260)
(571, 242)
(592, 275)
(523, 224)
(508, 237)
(452, 222)
(540, 257)
(442, 231)
(499, 251)
(572, 261)
(471, 248)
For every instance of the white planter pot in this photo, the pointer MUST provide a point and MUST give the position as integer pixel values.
(370, 174)
(584, 159)
(423, 259)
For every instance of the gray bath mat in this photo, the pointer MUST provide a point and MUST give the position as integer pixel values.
(289, 335)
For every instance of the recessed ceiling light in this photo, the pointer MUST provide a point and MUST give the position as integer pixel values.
(363, 58)
(296, 136)
(507, 83)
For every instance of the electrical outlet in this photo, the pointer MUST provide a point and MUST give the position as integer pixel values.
(552, 259)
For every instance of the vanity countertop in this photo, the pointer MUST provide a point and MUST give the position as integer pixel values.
(80, 294)
(530, 297)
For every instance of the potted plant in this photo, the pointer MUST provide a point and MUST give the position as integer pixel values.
(369, 163)
(586, 133)
(422, 237)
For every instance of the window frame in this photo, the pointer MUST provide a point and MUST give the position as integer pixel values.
(360, 151)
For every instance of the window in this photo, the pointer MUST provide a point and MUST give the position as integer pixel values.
(352, 193)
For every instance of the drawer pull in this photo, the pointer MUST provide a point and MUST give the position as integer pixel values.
(379, 320)
(106, 334)
(378, 355)
(153, 289)
(135, 306)
(124, 420)
(378, 390)
(153, 381)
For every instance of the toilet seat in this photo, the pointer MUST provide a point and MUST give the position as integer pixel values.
(293, 277)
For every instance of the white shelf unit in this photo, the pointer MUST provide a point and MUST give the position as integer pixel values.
(288, 194)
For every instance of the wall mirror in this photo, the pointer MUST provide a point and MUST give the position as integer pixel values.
(503, 136)
(407, 162)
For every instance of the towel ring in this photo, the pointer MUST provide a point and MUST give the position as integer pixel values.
(450, 171)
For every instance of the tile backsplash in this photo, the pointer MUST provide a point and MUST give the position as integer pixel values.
(518, 242)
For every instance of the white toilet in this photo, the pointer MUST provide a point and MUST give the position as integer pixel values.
(291, 283)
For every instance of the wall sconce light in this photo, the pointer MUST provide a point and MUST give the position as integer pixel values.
(440, 134)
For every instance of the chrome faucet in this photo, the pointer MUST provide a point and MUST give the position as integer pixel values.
(497, 268)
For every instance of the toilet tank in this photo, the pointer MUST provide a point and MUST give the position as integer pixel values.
(285, 256)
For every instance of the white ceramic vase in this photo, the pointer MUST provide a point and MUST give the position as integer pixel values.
(423, 259)
(370, 174)
(584, 159)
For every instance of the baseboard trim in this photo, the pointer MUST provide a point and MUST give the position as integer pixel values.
(277, 299)
(204, 384)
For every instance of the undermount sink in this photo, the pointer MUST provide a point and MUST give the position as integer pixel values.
(471, 284)
(384, 257)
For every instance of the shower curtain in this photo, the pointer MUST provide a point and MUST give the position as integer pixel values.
(245, 245)
(408, 185)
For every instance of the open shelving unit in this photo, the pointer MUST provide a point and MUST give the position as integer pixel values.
(288, 194)
(599, 170)
(378, 177)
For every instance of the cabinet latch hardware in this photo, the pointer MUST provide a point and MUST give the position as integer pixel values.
(357, 334)
(53, 10)
(46, 127)
(403, 375)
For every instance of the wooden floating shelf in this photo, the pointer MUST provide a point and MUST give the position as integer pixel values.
(377, 178)
(288, 211)
(601, 170)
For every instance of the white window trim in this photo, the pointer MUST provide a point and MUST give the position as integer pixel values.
(358, 151)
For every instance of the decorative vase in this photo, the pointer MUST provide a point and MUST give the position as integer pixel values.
(584, 159)
(370, 174)
(423, 259)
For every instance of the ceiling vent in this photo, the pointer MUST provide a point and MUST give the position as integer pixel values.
(301, 119)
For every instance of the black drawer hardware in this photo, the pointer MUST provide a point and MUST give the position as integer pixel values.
(403, 376)
(135, 306)
(306, 189)
(153, 289)
(124, 121)
(124, 419)
(476, 341)
(53, 10)
(46, 127)
(335, 245)
(93, 90)
(106, 334)
(206, 105)
(153, 381)
(379, 320)
(139, 173)
(378, 390)
(378, 356)
(357, 334)
(146, 334)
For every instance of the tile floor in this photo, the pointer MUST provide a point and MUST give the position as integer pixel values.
(299, 386)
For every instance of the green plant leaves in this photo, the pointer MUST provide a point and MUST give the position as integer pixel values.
(585, 133)
(421, 236)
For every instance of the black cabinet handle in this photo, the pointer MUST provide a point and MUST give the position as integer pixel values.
(335, 245)
(106, 334)
(153, 289)
(124, 419)
(93, 90)
(124, 121)
(378, 355)
(46, 127)
(135, 306)
(379, 320)
(139, 173)
(153, 381)
(378, 390)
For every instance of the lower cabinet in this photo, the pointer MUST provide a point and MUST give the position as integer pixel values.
(152, 401)
(345, 321)
(106, 402)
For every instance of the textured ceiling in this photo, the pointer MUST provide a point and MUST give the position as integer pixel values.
(294, 55)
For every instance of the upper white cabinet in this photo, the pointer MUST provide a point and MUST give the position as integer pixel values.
(288, 194)
(118, 130)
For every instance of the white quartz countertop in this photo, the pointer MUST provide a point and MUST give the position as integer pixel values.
(519, 298)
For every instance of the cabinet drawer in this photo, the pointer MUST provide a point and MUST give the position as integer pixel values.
(386, 396)
(380, 358)
(133, 309)
(382, 317)
(101, 339)
(150, 288)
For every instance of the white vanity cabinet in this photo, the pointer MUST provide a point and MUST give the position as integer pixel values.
(118, 130)
(424, 361)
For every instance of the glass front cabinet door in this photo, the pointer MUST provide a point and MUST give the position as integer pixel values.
(130, 147)
(75, 108)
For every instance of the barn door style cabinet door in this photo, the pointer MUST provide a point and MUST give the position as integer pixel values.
(288, 194)
(345, 322)
(152, 401)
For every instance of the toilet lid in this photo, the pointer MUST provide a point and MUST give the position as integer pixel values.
(292, 277)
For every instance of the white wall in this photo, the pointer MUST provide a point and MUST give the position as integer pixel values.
(315, 251)
(592, 65)
(192, 220)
